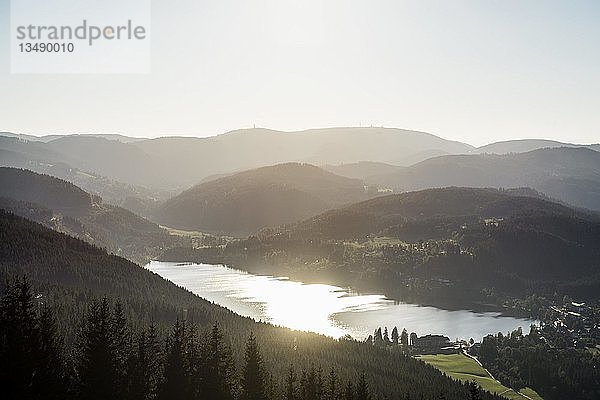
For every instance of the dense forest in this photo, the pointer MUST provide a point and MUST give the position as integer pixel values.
(242, 203)
(532, 360)
(110, 359)
(564, 173)
(66, 208)
(450, 246)
(67, 274)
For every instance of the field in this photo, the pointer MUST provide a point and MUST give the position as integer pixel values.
(459, 366)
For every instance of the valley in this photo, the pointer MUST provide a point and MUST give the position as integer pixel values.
(301, 200)
(296, 249)
(326, 309)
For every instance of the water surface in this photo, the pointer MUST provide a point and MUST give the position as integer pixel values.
(326, 309)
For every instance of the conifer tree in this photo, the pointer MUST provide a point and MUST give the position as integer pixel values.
(303, 387)
(362, 389)
(377, 337)
(320, 386)
(18, 339)
(271, 389)
(253, 378)
(176, 385)
(144, 366)
(290, 384)
(120, 344)
(404, 337)
(386, 336)
(474, 392)
(95, 358)
(218, 375)
(310, 389)
(195, 361)
(51, 378)
(349, 391)
(395, 336)
(331, 393)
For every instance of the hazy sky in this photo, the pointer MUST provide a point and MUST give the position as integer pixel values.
(475, 71)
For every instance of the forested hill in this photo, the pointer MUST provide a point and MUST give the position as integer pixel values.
(175, 162)
(511, 241)
(38, 157)
(571, 175)
(448, 246)
(63, 206)
(45, 190)
(247, 201)
(373, 217)
(66, 273)
(525, 145)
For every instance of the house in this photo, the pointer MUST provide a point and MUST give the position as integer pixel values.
(431, 342)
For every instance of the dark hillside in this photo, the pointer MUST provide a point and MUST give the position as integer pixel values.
(247, 201)
(69, 273)
(63, 206)
(571, 175)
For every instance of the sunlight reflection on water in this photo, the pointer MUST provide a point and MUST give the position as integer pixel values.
(325, 309)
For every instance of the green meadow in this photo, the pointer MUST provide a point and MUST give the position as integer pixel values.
(461, 367)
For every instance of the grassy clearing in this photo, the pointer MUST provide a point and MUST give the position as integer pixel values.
(386, 241)
(181, 232)
(461, 367)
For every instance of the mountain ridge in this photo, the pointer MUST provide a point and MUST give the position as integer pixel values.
(60, 205)
(242, 203)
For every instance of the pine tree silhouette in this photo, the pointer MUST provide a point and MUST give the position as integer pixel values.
(51, 380)
(121, 347)
(474, 391)
(253, 375)
(95, 359)
(218, 380)
(290, 384)
(395, 336)
(349, 391)
(144, 369)
(362, 389)
(176, 385)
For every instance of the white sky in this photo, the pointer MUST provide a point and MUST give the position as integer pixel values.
(474, 71)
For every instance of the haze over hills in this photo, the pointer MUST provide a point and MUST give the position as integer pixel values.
(251, 148)
(362, 170)
(247, 201)
(41, 158)
(48, 138)
(64, 207)
(571, 175)
(180, 162)
(170, 162)
(121, 161)
(526, 145)
(485, 243)
(140, 174)
(456, 247)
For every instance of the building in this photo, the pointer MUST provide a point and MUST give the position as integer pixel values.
(431, 342)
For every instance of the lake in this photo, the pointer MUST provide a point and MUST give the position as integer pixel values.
(326, 309)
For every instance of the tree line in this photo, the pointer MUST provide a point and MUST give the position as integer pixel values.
(66, 274)
(111, 359)
(519, 360)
